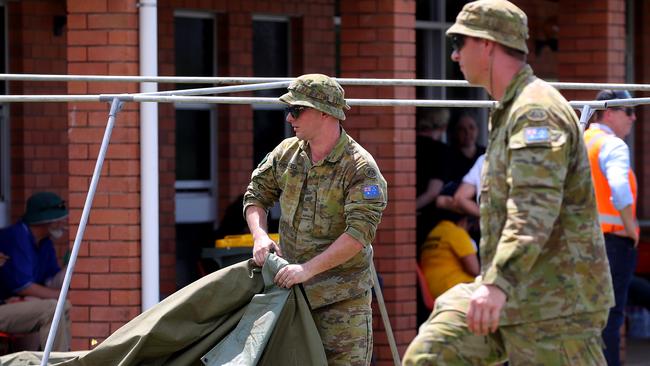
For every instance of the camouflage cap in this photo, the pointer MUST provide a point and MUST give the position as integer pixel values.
(497, 20)
(317, 91)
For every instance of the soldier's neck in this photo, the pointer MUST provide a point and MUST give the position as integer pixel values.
(324, 143)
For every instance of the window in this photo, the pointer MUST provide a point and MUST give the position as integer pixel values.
(271, 58)
(194, 35)
(433, 56)
(196, 144)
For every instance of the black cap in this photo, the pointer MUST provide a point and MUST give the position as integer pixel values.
(609, 94)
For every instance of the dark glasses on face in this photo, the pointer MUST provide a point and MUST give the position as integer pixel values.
(629, 111)
(294, 110)
(457, 42)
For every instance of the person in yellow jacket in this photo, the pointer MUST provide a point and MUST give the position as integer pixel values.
(616, 193)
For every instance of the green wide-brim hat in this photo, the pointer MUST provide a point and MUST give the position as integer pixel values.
(497, 20)
(320, 92)
(44, 207)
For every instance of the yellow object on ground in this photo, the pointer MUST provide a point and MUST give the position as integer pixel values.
(244, 240)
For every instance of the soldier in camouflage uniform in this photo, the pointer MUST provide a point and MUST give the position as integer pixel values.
(544, 291)
(332, 195)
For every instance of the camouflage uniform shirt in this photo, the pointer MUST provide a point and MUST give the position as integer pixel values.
(343, 193)
(540, 239)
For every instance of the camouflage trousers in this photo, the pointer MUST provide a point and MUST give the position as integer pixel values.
(444, 339)
(345, 328)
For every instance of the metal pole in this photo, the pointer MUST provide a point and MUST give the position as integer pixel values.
(343, 81)
(384, 314)
(585, 115)
(222, 89)
(116, 105)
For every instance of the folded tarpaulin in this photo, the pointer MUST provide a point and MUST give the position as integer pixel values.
(188, 324)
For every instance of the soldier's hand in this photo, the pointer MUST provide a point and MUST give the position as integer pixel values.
(485, 309)
(262, 246)
(292, 274)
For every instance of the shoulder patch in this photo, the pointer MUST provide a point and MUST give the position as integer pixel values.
(371, 192)
(370, 172)
(537, 114)
(537, 134)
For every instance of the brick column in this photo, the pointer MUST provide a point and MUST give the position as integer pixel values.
(591, 44)
(378, 41)
(38, 130)
(105, 292)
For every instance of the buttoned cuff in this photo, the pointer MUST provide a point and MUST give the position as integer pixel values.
(253, 203)
(493, 277)
(357, 235)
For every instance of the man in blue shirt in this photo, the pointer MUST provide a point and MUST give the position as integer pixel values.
(616, 194)
(30, 279)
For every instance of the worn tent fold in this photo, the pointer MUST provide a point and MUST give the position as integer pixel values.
(189, 323)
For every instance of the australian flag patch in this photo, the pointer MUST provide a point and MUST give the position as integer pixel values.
(371, 192)
(536, 134)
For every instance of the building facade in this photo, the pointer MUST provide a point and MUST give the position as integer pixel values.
(207, 152)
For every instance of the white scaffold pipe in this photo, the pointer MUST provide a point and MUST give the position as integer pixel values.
(260, 100)
(226, 80)
(115, 107)
(48, 98)
(222, 89)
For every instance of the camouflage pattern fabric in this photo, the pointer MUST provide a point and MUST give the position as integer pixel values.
(317, 91)
(445, 339)
(344, 193)
(540, 238)
(346, 330)
(497, 20)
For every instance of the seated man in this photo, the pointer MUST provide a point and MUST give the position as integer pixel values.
(449, 255)
(30, 277)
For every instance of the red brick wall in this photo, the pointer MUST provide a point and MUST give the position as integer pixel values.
(542, 24)
(38, 130)
(105, 291)
(378, 41)
(592, 43)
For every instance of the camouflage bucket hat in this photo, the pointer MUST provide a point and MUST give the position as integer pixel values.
(497, 20)
(319, 92)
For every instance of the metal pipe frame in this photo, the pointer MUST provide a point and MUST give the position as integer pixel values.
(342, 81)
(188, 96)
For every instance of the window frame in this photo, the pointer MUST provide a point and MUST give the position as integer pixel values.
(193, 191)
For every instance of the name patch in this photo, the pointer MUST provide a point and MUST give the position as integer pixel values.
(536, 134)
(371, 192)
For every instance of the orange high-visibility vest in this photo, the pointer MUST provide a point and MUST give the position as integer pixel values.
(610, 218)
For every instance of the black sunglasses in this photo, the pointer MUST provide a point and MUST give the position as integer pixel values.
(457, 42)
(629, 111)
(294, 110)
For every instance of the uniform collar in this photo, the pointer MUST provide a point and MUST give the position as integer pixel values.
(336, 153)
(603, 127)
(515, 85)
